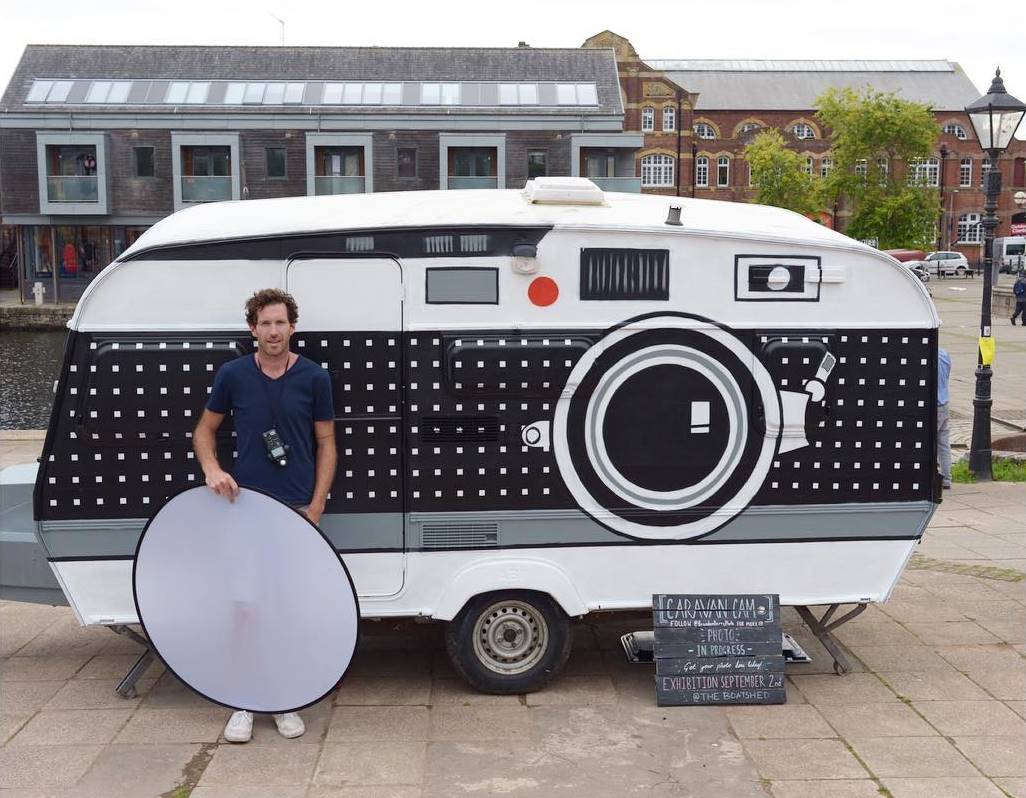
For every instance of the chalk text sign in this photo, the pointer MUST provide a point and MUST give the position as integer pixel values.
(718, 649)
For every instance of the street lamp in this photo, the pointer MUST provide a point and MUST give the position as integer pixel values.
(995, 117)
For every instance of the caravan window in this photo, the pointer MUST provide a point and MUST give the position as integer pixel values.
(462, 286)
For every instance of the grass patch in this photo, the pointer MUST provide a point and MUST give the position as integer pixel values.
(1005, 469)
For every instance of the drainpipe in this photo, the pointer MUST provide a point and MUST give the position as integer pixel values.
(694, 168)
(680, 125)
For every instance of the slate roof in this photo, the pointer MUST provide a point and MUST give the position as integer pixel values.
(795, 85)
(527, 64)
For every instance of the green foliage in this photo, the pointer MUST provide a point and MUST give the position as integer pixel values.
(867, 127)
(777, 174)
(1004, 469)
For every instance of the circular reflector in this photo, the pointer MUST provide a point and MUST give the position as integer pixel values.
(246, 602)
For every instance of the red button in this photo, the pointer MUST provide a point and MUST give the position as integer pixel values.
(543, 291)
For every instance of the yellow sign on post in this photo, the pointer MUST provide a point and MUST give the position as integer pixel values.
(987, 347)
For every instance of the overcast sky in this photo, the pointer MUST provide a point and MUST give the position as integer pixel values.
(866, 29)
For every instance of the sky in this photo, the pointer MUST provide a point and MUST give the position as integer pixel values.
(658, 29)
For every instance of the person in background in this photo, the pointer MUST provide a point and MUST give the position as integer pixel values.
(943, 434)
(1019, 289)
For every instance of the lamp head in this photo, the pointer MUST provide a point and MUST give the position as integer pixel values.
(995, 116)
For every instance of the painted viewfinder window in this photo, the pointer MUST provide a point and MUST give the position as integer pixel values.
(462, 285)
(616, 274)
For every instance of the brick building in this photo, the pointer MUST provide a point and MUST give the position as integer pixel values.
(697, 116)
(98, 143)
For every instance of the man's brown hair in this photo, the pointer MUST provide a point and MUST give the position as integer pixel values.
(270, 296)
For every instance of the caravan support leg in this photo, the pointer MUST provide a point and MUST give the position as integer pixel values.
(126, 688)
(822, 629)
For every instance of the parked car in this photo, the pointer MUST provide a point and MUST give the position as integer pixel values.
(905, 255)
(919, 269)
(943, 264)
(1010, 253)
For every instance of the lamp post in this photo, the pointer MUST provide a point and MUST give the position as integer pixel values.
(995, 117)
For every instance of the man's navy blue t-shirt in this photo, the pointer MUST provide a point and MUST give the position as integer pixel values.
(300, 396)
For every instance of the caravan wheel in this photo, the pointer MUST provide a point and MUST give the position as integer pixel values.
(509, 642)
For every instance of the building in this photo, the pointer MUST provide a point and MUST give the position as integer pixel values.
(99, 142)
(697, 117)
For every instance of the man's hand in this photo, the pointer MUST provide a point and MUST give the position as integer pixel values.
(313, 512)
(222, 483)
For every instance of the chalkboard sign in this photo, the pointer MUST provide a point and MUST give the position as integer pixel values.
(718, 649)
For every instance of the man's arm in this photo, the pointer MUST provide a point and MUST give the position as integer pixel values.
(203, 443)
(324, 468)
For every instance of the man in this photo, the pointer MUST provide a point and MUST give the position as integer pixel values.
(943, 434)
(1019, 289)
(274, 389)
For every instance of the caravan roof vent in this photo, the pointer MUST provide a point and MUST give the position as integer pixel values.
(563, 191)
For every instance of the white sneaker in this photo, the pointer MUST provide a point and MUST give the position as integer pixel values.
(239, 728)
(290, 725)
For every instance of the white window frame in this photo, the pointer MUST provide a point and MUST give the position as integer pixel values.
(702, 172)
(924, 172)
(704, 131)
(803, 130)
(965, 173)
(883, 168)
(648, 119)
(657, 171)
(826, 166)
(669, 118)
(723, 172)
(809, 165)
(315, 140)
(179, 140)
(99, 142)
(956, 130)
(970, 228)
(862, 167)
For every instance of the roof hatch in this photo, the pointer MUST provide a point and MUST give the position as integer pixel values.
(563, 191)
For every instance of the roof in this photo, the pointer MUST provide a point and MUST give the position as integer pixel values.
(490, 207)
(385, 64)
(791, 85)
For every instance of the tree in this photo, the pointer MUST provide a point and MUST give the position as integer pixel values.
(869, 132)
(777, 174)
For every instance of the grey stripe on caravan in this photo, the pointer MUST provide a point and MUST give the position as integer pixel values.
(119, 538)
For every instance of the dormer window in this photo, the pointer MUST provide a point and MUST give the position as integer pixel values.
(703, 130)
(803, 130)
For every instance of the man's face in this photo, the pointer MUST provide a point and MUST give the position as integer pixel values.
(272, 329)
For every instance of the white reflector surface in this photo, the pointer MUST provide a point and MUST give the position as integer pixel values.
(246, 602)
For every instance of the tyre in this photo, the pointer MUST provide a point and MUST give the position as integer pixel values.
(509, 642)
(960, 271)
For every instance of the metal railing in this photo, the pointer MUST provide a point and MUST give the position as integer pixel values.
(338, 184)
(72, 188)
(631, 185)
(201, 188)
(472, 182)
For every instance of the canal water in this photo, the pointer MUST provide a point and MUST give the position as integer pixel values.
(29, 364)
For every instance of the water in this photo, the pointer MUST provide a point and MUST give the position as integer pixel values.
(29, 363)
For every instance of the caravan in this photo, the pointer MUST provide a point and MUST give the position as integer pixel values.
(548, 403)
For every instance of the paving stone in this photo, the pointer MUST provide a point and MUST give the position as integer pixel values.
(113, 667)
(880, 631)
(39, 669)
(261, 765)
(316, 719)
(474, 723)
(136, 770)
(365, 764)
(457, 691)
(947, 633)
(1014, 787)
(390, 663)
(822, 788)
(902, 658)
(852, 688)
(781, 721)
(95, 694)
(972, 718)
(1008, 631)
(44, 766)
(996, 756)
(355, 724)
(378, 791)
(169, 693)
(252, 791)
(1018, 707)
(968, 787)
(911, 757)
(979, 657)
(10, 723)
(803, 759)
(72, 727)
(1007, 684)
(21, 697)
(586, 663)
(876, 720)
(375, 691)
(575, 690)
(194, 725)
(67, 638)
(934, 686)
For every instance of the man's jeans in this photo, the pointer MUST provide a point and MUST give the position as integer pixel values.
(943, 443)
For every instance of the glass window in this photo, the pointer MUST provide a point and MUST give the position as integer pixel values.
(704, 130)
(406, 162)
(965, 172)
(536, 164)
(276, 162)
(529, 93)
(197, 92)
(566, 94)
(807, 166)
(882, 169)
(648, 118)
(507, 94)
(338, 161)
(234, 93)
(294, 92)
(39, 90)
(431, 93)
(669, 118)
(274, 94)
(332, 94)
(119, 91)
(862, 167)
(748, 127)
(599, 162)
(657, 170)
(924, 172)
(372, 94)
(723, 171)
(826, 166)
(803, 131)
(352, 93)
(702, 171)
(450, 94)
(392, 94)
(970, 231)
(144, 162)
(59, 92)
(587, 94)
(462, 286)
(98, 91)
(472, 162)
(206, 161)
(955, 130)
(176, 93)
(254, 93)
(984, 168)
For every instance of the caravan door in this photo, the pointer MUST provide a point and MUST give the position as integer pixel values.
(350, 323)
